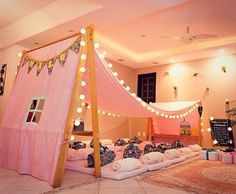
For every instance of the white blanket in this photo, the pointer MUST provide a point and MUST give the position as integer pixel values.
(126, 164)
(153, 157)
(185, 151)
(80, 154)
(172, 154)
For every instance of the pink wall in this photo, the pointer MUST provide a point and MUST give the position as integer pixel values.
(221, 85)
(10, 57)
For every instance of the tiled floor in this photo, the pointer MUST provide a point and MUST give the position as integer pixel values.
(11, 182)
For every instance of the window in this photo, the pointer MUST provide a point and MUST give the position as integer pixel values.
(147, 87)
(35, 110)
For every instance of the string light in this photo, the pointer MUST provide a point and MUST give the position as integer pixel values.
(72, 137)
(209, 129)
(82, 69)
(82, 31)
(211, 118)
(230, 129)
(82, 97)
(96, 45)
(79, 110)
(215, 142)
(109, 65)
(77, 122)
(121, 82)
(115, 74)
(83, 83)
(82, 43)
(83, 57)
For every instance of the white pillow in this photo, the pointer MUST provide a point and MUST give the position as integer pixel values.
(172, 154)
(127, 164)
(80, 154)
(195, 147)
(153, 157)
(185, 151)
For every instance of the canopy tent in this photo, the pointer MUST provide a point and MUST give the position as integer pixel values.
(64, 75)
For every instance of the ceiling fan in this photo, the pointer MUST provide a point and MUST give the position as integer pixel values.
(189, 37)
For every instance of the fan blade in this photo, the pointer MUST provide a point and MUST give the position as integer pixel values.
(172, 37)
(203, 36)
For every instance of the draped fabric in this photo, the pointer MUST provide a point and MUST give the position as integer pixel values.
(111, 95)
(31, 148)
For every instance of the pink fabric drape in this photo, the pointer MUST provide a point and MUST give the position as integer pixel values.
(162, 125)
(34, 148)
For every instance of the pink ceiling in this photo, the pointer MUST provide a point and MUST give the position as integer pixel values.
(120, 25)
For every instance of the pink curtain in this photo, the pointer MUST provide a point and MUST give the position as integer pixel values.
(34, 148)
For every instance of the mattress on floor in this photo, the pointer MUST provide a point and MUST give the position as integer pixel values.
(158, 166)
(108, 172)
(80, 166)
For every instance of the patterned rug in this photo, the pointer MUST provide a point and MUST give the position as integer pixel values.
(199, 176)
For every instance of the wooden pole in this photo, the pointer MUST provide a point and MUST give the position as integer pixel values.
(94, 109)
(149, 129)
(56, 41)
(59, 173)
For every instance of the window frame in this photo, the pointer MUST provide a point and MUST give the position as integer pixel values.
(35, 110)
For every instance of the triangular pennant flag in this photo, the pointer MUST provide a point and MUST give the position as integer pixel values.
(50, 65)
(76, 46)
(31, 65)
(40, 66)
(25, 60)
(62, 57)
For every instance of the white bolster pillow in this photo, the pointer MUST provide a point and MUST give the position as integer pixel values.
(126, 164)
(153, 157)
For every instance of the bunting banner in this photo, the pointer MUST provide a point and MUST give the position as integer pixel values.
(49, 63)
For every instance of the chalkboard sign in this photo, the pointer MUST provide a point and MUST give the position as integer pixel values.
(221, 133)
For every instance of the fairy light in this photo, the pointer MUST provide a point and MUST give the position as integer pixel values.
(109, 114)
(79, 110)
(157, 113)
(127, 88)
(211, 118)
(166, 116)
(82, 43)
(139, 99)
(77, 122)
(121, 82)
(19, 55)
(82, 31)
(209, 129)
(149, 108)
(103, 113)
(83, 57)
(133, 94)
(83, 83)
(82, 69)
(109, 65)
(82, 97)
(162, 114)
(96, 45)
(72, 138)
(230, 129)
(143, 103)
(202, 130)
(215, 142)
(115, 74)
(202, 124)
(99, 111)
(113, 115)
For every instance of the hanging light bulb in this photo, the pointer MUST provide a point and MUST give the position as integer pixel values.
(82, 31)
(143, 103)
(77, 122)
(115, 74)
(215, 142)
(79, 110)
(83, 57)
(82, 69)
(72, 137)
(121, 82)
(96, 45)
(83, 83)
(82, 97)
(82, 43)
